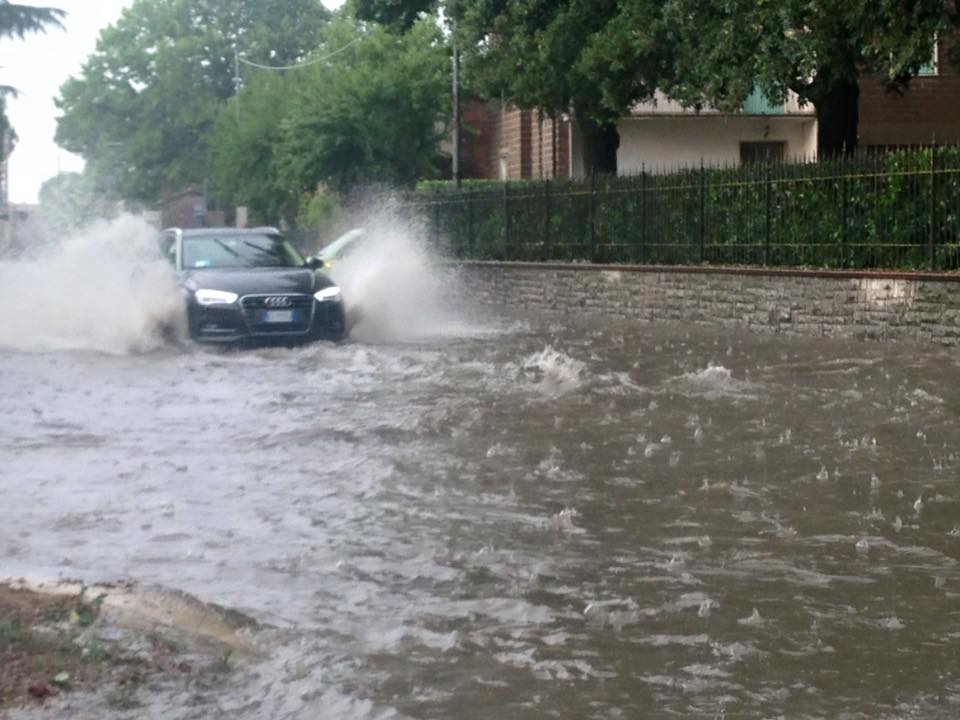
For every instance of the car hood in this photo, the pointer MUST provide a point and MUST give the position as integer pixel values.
(254, 281)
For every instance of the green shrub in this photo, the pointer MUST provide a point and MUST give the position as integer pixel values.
(882, 211)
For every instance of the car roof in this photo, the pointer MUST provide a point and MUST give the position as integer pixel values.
(201, 232)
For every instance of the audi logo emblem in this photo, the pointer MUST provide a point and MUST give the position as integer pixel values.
(278, 301)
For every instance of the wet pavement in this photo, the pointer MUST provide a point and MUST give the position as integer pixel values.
(516, 517)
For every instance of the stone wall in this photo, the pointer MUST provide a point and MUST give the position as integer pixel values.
(896, 306)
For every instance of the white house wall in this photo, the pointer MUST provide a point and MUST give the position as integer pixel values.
(661, 144)
(660, 104)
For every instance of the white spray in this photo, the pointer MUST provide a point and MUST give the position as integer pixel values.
(396, 287)
(104, 289)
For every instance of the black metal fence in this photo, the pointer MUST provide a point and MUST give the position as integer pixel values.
(896, 211)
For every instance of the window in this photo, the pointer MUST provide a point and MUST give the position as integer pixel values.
(752, 152)
(931, 68)
(757, 103)
(233, 250)
(167, 244)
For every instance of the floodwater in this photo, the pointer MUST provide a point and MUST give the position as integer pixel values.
(515, 516)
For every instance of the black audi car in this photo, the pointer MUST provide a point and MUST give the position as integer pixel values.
(252, 285)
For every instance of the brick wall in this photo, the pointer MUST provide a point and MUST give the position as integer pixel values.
(891, 306)
(928, 112)
(189, 209)
(550, 151)
(528, 148)
(515, 137)
(479, 141)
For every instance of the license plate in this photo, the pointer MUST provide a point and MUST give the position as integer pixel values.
(279, 316)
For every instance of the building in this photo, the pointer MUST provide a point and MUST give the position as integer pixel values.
(926, 113)
(502, 142)
(661, 135)
(189, 209)
(18, 228)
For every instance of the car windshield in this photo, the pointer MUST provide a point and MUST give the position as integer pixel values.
(239, 251)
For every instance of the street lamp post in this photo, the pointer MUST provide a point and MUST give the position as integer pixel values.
(456, 116)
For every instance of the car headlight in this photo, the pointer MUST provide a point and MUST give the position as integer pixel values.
(215, 297)
(328, 294)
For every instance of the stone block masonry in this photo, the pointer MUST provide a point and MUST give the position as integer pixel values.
(920, 307)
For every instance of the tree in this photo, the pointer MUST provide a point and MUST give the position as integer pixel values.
(18, 20)
(600, 57)
(375, 114)
(399, 14)
(367, 107)
(722, 50)
(548, 54)
(243, 149)
(144, 105)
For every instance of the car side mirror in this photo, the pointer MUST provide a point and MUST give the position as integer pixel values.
(314, 263)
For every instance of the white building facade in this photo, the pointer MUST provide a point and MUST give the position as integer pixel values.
(661, 135)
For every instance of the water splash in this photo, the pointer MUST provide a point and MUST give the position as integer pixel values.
(555, 372)
(713, 382)
(105, 289)
(396, 287)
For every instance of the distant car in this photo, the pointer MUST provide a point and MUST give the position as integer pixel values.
(252, 284)
(343, 247)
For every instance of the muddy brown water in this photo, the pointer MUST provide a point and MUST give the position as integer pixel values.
(520, 518)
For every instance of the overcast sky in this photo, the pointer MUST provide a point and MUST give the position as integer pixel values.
(37, 66)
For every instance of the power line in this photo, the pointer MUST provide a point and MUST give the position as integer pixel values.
(305, 63)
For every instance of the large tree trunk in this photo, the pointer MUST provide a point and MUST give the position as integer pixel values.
(600, 144)
(838, 115)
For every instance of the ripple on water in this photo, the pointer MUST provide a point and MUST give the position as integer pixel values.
(469, 528)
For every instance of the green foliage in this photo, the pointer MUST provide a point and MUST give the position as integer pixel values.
(373, 114)
(17, 20)
(401, 14)
(8, 136)
(244, 150)
(722, 49)
(154, 108)
(84, 611)
(600, 57)
(876, 212)
(11, 632)
(144, 105)
(319, 211)
(553, 54)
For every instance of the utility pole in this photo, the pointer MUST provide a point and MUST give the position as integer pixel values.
(456, 116)
(236, 81)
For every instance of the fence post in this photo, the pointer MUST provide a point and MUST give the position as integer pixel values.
(436, 218)
(547, 235)
(506, 220)
(470, 230)
(932, 232)
(703, 211)
(643, 212)
(844, 202)
(769, 207)
(593, 213)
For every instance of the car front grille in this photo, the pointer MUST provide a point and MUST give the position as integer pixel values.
(280, 313)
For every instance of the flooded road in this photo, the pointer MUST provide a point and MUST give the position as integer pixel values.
(517, 517)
